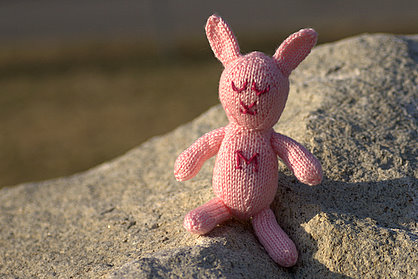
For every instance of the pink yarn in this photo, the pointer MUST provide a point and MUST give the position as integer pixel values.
(253, 90)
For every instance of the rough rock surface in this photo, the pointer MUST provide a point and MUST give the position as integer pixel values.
(353, 103)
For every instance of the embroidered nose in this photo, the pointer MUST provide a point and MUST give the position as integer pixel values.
(247, 109)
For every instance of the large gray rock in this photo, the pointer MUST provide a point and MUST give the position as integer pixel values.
(353, 103)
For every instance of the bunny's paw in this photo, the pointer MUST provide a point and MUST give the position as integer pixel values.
(204, 218)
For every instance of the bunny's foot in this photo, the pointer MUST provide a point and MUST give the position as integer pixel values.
(276, 242)
(203, 219)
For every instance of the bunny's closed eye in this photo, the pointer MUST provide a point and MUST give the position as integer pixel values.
(258, 91)
(239, 90)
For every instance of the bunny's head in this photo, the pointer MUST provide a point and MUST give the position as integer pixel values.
(253, 88)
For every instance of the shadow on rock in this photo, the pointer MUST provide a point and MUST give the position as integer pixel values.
(357, 229)
(341, 229)
(230, 251)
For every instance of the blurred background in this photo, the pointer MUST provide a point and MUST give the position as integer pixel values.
(83, 81)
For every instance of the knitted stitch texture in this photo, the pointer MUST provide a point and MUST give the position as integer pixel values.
(253, 90)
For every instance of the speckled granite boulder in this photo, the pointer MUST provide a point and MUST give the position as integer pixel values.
(353, 103)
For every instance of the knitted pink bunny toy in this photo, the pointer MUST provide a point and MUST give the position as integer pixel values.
(253, 90)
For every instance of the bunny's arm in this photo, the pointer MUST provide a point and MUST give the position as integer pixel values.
(298, 159)
(191, 160)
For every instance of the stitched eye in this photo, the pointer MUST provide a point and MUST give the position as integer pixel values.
(239, 90)
(258, 91)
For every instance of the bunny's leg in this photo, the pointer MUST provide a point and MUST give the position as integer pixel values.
(203, 219)
(276, 242)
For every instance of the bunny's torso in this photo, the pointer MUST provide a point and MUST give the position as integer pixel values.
(245, 173)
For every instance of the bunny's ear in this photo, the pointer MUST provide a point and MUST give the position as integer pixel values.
(222, 40)
(294, 49)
